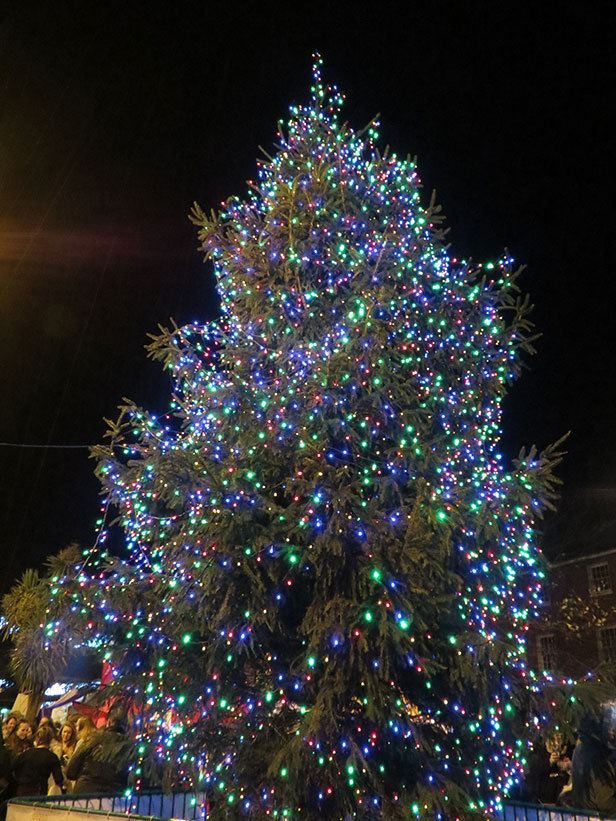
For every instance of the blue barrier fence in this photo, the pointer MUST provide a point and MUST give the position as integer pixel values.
(190, 806)
(519, 811)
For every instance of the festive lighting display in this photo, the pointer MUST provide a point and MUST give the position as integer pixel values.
(330, 572)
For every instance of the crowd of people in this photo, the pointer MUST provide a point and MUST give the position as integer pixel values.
(76, 757)
(48, 759)
(580, 775)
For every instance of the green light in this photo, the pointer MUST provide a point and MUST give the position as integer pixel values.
(368, 615)
(186, 638)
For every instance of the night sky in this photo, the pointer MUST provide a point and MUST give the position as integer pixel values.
(115, 117)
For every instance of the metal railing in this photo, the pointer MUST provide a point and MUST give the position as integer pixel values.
(520, 811)
(190, 806)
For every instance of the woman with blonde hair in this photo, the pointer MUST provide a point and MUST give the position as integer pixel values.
(68, 740)
(85, 727)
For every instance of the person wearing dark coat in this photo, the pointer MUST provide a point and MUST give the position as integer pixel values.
(5, 772)
(593, 773)
(537, 774)
(99, 764)
(6, 778)
(32, 768)
(547, 770)
(559, 767)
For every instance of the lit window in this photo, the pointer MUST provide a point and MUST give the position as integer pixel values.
(547, 653)
(599, 579)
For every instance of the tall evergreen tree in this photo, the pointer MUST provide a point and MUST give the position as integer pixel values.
(331, 570)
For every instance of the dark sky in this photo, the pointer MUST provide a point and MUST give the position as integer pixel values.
(114, 117)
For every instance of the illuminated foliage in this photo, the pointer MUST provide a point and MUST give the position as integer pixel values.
(331, 571)
(35, 661)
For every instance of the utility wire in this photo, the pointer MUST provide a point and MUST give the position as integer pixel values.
(24, 445)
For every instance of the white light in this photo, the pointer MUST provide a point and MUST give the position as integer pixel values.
(58, 689)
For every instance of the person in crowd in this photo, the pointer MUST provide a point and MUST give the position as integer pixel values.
(56, 744)
(32, 768)
(6, 781)
(547, 770)
(20, 739)
(537, 773)
(593, 772)
(563, 799)
(559, 767)
(84, 728)
(68, 742)
(9, 724)
(100, 761)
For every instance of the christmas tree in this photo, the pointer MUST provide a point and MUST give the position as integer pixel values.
(331, 572)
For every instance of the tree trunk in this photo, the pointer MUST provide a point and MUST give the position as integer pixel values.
(34, 702)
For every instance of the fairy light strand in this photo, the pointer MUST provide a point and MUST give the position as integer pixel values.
(330, 572)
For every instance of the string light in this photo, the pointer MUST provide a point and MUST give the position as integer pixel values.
(330, 573)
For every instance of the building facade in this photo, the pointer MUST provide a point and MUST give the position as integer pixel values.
(578, 632)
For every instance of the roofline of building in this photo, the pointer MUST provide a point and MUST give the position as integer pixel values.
(584, 558)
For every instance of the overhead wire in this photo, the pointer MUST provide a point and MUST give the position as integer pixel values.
(26, 445)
